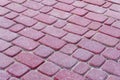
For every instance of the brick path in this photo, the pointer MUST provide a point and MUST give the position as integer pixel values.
(59, 39)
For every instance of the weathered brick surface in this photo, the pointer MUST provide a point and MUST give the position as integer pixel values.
(46, 9)
(109, 21)
(69, 49)
(33, 5)
(113, 14)
(12, 51)
(16, 7)
(49, 68)
(79, 4)
(97, 61)
(95, 9)
(67, 75)
(79, 20)
(94, 25)
(39, 26)
(108, 30)
(43, 51)
(40, 39)
(112, 67)
(90, 34)
(3, 23)
(5, 61)
(4, 2)
(75, 29)
(18, 1)
(90, 45)
(60, 23)
(105, 39)
(45, 18)
(49, 3)
(35, 34)
(111, 53)
(115, 7)
(15, 69)
(30, 13)
(35, 75)
(63, 60)
(66, 1)
(17, 28)
(3, 11)
(95, 74)
(4, 75)
(11, 15)
(52, 42)
(112, 77)
(7, 35)
(64, 7)
(116, 24)
(115, 1)
(107, 4)
(36, 61)
(96, 17)
(95, 2)
(60, 14)
(54, 31)
(81, 68)
(25, 20)
(79, 11)
(4, 45)
(82, 54)
(118, 46)
(13, 78)
(25, 43)
(72, 38)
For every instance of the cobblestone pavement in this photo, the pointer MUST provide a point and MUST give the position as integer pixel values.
(59, 40)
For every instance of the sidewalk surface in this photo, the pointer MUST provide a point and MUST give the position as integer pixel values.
(59, 40)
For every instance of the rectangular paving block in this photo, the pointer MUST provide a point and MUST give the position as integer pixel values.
(52, 42)
(25, 43)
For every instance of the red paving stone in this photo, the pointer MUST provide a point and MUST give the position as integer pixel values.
(81, 68)
(36, 61)
(5, 61)
(48, 68)
(59, 40)
(67, 75)
(15, 69)
(96, 74)
(4, 75)
(62, 60)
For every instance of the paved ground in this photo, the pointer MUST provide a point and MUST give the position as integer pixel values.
(59, 40)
